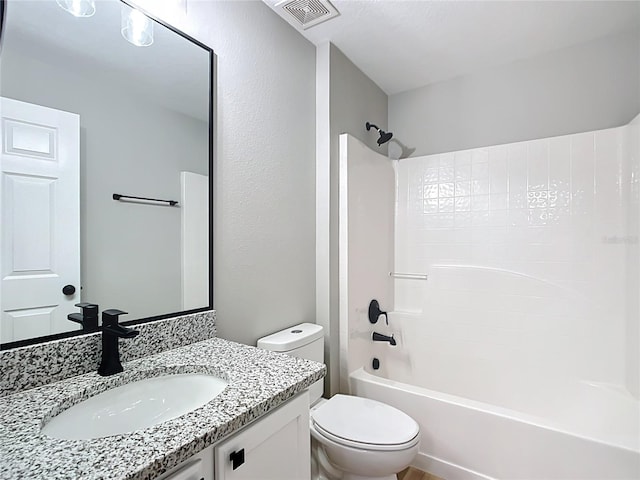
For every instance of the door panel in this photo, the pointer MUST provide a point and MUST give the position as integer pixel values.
(30, 140)
(30, 199)
(28, 323)
(40, 208)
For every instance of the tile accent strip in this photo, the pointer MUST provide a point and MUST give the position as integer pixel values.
(37, 365)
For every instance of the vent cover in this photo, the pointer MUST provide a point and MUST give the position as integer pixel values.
(308, 13)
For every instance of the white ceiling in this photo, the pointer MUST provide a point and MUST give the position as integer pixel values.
(405, 44)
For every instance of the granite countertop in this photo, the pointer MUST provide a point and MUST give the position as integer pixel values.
(258, 382)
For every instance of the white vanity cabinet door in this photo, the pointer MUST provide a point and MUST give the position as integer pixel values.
(275, 447)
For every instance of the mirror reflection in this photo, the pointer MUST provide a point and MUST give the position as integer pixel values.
(97, 100)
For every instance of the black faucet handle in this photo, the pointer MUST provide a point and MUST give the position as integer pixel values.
(110, 317)
(375, 312)
(88, 318)
(110, 324)
(88, 309)
(86, 305)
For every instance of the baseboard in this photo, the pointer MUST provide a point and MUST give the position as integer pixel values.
(443, 469)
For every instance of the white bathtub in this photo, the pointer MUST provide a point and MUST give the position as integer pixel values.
(465, 439)
(490, 407)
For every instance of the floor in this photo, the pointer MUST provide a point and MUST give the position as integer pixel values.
(412, 473)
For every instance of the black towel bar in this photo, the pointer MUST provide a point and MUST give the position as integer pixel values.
(117, 196)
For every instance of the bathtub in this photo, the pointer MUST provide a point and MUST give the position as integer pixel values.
(468, 440)
(490, 419)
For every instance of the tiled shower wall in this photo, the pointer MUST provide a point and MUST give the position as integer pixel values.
(531, 252)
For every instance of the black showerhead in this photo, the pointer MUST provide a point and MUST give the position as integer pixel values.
(384, 136)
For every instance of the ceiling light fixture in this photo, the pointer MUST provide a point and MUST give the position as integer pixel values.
(137, 28)
(78, 8)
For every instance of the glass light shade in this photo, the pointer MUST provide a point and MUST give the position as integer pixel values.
(78, 8)
(137, 28)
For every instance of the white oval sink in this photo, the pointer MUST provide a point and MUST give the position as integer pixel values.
(135, 406)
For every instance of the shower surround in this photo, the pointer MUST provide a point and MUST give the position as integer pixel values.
(528, 323)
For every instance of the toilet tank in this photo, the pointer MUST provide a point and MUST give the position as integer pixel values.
(305, 340)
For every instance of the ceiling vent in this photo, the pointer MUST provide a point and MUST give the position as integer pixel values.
(308, 13)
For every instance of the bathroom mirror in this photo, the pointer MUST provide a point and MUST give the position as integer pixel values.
(100, 100)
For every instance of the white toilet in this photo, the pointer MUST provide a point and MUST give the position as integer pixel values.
(353, 438)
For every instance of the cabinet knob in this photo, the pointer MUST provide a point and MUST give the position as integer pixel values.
(237, 458)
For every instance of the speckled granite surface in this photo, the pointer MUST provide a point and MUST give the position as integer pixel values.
(259, 381)
(36, 365)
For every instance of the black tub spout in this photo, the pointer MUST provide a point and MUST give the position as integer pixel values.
(378, 337)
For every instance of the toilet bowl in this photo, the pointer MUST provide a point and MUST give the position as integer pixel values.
(358, 438)
(352, 438)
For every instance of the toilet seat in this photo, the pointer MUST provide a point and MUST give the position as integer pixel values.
(365, 424)
(363, 446)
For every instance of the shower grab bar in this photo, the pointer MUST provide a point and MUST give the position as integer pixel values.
(409, 276)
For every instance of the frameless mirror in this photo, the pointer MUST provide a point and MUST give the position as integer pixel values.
(99, 103)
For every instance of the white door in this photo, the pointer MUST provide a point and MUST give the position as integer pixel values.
(40, 211)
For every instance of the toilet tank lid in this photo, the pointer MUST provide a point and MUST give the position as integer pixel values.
(291, 338)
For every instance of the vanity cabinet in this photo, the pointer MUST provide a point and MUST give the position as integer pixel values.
(273, 447)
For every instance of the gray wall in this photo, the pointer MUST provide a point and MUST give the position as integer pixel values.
(587, 87)
(354, 99)
(130, 254)
(264, 241)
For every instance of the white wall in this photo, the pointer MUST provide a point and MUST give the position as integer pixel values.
(120, 243)
(264, 203)
(346, 100)
(587, 87)
(526, 249)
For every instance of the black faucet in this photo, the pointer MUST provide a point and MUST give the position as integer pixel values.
(378, 337)
(111, 332)
(88, 318)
